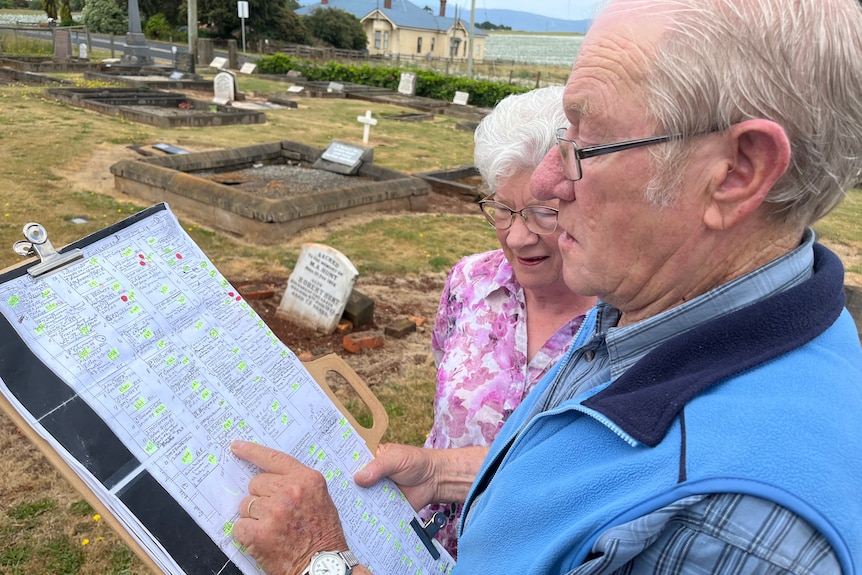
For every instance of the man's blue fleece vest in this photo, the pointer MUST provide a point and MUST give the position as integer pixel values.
(765, 401)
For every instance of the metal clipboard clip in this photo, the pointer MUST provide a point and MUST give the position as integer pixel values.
(427, 532)
(37, 243)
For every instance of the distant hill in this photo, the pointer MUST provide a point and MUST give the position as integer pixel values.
(515, 19)
(523, 21)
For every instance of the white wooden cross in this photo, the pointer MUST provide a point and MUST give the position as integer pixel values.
(368, 121)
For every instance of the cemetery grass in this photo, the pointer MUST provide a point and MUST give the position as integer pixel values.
(54, 168)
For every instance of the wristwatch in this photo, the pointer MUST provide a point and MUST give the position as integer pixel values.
(331, 563)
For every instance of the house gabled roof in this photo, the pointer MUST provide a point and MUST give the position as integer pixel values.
(402, 14)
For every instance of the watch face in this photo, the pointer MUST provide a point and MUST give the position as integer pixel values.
(328, 564)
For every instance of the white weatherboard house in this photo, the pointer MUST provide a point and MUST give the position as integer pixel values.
(397, 28)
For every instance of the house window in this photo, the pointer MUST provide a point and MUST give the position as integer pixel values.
(433, 41)
(465, 48)
(386, 40)
(377, 39)
(419, 45)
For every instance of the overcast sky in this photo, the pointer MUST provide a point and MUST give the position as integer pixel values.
(565, 9)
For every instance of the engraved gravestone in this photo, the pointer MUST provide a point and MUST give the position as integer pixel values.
(184, 62)
(318, 288)
(343, 158)
(461, 98)
(407, 85)
(218, 63)
(224, 88)
(62, 44)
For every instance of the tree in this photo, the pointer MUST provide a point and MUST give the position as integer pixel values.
(266, 19)
(50, 7)
(105, 17)
(337, 28)
(66, 13)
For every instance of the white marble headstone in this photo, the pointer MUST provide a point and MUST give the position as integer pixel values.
(248, 68)
(407, 85)
(224, 85)
(218, 62)
(461, 98)
(318, 288)
(82, 51)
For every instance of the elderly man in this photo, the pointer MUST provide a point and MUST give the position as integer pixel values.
(706, 419)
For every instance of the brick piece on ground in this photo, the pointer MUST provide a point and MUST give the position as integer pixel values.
(418, 320)
(344, 326)
(359, 309)
(256, 291)
(400, 329)
(357, 341)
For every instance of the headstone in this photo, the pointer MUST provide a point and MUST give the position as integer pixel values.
(367, 122)
(294, 74)
(62, 44)
(224, 88)
(295, 89)
(184, 62)
(82, 51)
(248, 68)
(407, 85)
(218, 63)
(343, 158)
(232, 56)
(461, 98)
(318, 288)
(335, 87)
(169, 149)
(205, 50)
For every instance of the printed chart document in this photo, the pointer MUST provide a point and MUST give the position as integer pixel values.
(141, 363)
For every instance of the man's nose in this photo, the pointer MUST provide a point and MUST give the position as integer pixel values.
(548, 181)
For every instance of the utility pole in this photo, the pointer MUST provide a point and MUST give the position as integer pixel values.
(470, 40)
(193, 29)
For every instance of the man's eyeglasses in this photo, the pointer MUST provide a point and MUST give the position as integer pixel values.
(572, 154)
(538, 219)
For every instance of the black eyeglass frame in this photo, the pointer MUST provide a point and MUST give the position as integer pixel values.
(513, 213)
(600, 150)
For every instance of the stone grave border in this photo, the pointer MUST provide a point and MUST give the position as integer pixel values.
(139, 78)
(258, 219)
(131, 104)
(446, 182)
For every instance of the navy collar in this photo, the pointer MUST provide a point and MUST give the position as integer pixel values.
(646, 399)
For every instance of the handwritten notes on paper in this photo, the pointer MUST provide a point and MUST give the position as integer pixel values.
(163, 349)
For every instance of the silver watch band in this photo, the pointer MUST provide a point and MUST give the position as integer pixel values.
(349, 558)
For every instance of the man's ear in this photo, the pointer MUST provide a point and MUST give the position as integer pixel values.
(758, 156)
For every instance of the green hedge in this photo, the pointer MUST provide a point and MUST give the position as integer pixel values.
(428, 84)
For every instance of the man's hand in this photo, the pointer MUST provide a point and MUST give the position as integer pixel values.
(425, 475)
(288, 515)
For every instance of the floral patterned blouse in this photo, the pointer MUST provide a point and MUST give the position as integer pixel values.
(479, 342)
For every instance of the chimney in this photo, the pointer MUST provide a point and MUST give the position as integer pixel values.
(387, 4)
(443, 8)
(324, 2)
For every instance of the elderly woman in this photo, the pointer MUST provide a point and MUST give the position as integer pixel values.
(505, 316)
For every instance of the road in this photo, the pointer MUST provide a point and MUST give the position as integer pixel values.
(161, 52)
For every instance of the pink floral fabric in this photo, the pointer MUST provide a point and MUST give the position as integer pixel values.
(479, 342)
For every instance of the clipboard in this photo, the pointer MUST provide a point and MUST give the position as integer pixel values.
(81, 443)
